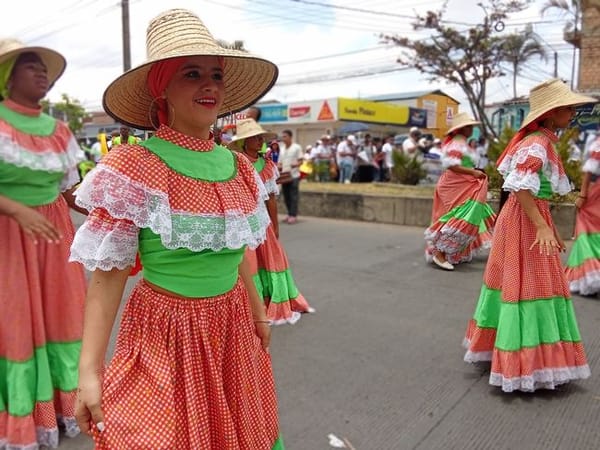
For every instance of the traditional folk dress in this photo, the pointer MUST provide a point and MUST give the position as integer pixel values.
(41, 294)
(524, 321)
(273, 277)
(461, 220)
(583, 266)
(188, 370)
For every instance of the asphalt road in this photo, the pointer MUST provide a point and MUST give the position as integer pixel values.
(380, 363)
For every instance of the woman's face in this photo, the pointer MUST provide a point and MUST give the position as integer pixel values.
(254, 143)
(29, 78)
(195, 94)
(562, 116)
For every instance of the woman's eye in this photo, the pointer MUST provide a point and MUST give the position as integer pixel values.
(192, 74)
(218, 76)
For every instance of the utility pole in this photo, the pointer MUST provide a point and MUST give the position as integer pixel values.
(555, 64)
(126, 35)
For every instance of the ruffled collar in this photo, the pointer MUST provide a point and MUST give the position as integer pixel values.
(25, 110)
(185, 141)
(549, 134)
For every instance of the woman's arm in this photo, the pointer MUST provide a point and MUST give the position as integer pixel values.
(259, 314)
(272, 209)
(32, 222)
(102, 303)
(545, 238)
(69, 196)
(466, 170)
(585, 184)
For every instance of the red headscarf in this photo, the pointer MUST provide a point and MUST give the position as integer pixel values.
(159, 77)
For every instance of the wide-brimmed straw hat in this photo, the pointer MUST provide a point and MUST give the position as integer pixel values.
(55, 62)
(179, 33)
(246, 128)
(461, 120)
(551, 94)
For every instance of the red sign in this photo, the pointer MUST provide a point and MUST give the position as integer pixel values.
(299, 111)
(325, 113)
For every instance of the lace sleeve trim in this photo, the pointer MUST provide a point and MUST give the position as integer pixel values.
(105, 246)
(518, 180)
(592, 165)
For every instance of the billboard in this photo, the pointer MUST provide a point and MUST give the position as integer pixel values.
(379, 112)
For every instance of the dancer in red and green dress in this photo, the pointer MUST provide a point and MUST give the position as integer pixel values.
(41, 293)
(191, 368)
(524, 322)
(272, 274)
(583, 266)
(461, 220)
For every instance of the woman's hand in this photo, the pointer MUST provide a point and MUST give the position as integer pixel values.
(580, 202)
(88, 409)
(263, 331)
(479, 174)
(547, 241)
(36, 225)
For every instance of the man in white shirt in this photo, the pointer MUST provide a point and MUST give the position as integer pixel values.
(346, 152)
(323, 159)
(388, 160)
(410, 146)
(290, 159)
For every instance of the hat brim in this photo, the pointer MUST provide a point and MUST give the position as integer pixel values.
(247, 78)
(266, 134)
(462, 125)
(55, 62)
(572, 99)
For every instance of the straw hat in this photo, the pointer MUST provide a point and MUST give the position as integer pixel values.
(176, 33)
(246, 128)
(462, 120)
(549, 95)
(54, 61)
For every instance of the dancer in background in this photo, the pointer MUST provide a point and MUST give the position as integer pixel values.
(272, 275)
(524, 321)
(191, 368)
(461, 220)
(41, 293)
(583, 266)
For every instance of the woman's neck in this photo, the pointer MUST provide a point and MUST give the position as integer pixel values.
(24, 101)
(252, 154)
(192, 130)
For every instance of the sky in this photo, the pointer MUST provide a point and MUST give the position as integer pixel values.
(319, 45)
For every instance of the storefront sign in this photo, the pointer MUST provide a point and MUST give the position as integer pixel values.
(587, 117)
(296, 112)
(273, 113)
(418, 117)
(373, 112)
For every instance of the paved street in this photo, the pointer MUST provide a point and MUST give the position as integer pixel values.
(380, 363)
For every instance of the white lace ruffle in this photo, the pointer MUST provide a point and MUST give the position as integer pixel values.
(592, 165)
(589, 284)
(104, 248)
(149, 208)
(560, 182)
(271, 186)
(548, 378)
(517, 180)
(70, 179)
(46, 160)
(449, 162)
(70, 424)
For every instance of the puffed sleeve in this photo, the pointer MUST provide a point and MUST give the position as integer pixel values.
(592, 165)
(521, 172)
(270, 179)
(74, 155)
(452, 155)
(104, 243)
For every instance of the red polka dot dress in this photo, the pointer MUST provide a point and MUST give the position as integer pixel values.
(188, 370)
(524, 322)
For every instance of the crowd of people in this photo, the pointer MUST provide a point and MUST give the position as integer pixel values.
(195, 209)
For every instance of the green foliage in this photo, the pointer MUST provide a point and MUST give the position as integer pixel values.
(407, 170)
(496, 147)
(68, 110)
(572, 168)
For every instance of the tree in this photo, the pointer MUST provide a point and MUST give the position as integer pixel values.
(235, 45)
(468, 58)
(518, 48)
(68, 110)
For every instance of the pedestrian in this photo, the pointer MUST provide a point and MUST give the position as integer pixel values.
(191, 368)
(41, 293)
(290, 159)
(346, 152)
(583, 265)
(461, 219)
(524, 321)
(124, 136)
(270, 267)
(410, 145)
(388, 159)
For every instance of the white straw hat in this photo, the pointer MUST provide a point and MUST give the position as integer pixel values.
(246, 128)
(176, 33)
(55, 62)
(462, 120)
(549, 95)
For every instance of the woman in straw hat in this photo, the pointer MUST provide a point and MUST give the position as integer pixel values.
(583, 265)
(524, 321)
(191, 369)
(461, 219)
(272, 275)
(41, 294)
